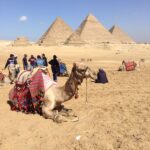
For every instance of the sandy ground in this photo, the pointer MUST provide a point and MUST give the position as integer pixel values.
(116, 116)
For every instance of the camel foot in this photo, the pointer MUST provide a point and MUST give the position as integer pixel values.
(60, 119)
(62, 108)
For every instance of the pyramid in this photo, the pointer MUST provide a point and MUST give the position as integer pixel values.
(56, 34)
(93, 32)
(75, 40)
(120, 35)
(21, 41)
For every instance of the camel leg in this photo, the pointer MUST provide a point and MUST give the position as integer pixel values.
(55, 115)
(49, 111)
(65, 111)
(49, 105)
(48, 108)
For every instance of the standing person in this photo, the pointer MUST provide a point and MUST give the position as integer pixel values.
(55, 67)
(39, 61)
(17, 67)
(32, 61)
(11, 64)
(45, 60)
(25, 62)
(10, 60)
(15, 59)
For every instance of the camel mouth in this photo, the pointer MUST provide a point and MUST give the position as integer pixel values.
(92, 75)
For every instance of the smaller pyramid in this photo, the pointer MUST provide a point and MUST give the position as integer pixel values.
(121, 35)
(21, 41)
(56, 34)
(75, 40)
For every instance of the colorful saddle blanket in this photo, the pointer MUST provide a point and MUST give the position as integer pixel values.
(130, 65)
(28, 97)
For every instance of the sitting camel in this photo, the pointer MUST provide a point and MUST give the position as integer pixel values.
(54, 96)
(133, 65)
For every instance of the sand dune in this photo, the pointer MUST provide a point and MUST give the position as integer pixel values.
(116, 117)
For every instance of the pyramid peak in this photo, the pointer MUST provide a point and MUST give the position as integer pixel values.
(58, 19)
(91, 17)
(114, 27)
(56, 34)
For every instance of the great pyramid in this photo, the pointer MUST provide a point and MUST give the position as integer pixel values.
(21, 41)
(93, 32)
(121, 36)
(75, 40)
(56, 34)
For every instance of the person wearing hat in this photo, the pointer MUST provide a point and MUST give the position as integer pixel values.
(54, 67)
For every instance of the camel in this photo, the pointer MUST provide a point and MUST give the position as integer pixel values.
(4, 79)
(13, 70)
(55, 96)
(12, 74)
(138, 65)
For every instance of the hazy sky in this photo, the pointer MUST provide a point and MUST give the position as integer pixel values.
(31, 18)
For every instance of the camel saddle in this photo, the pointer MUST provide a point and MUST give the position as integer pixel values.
(130, 65)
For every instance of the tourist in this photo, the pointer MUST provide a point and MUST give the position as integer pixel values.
(10, 60)
(55, 67)
(17, 67)
(32, 61)
(39, 61)
(25, 62)
(45, 60)
(15, 59)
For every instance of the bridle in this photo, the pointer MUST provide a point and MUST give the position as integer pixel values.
(79, 74)
(76, 78)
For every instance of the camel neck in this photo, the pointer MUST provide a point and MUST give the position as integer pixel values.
(71, 86)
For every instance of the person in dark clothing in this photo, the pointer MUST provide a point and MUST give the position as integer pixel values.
(25, 62)
(15, 58)
(101, 77)
(45, 60)
(55, 67)
(16, 64)
(10, 60)
(32, 61)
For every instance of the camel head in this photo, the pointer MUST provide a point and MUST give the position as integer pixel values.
(83, 71)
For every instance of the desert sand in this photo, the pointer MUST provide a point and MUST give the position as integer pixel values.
(116, 116)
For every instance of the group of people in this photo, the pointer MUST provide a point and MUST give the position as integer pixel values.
(33, 62)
